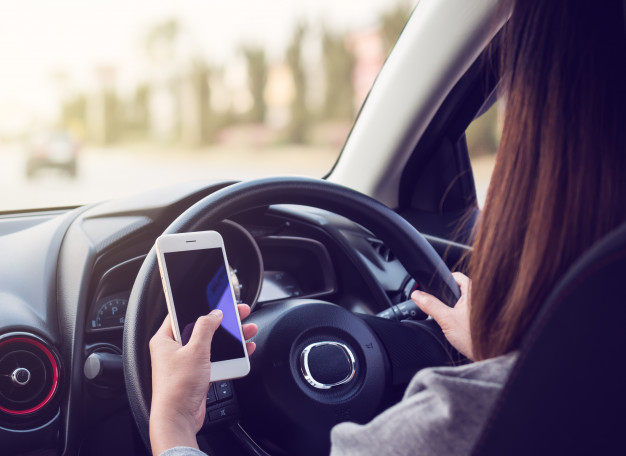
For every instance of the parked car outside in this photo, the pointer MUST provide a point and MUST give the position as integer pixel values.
(56, 149)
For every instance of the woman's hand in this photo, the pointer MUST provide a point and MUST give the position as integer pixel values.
(180, 380)
(454, 321)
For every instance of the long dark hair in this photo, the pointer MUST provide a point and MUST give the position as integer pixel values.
(559, 182)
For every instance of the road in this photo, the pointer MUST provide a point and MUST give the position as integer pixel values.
(105, 173)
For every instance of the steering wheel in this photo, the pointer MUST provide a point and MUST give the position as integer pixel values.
(294, 394)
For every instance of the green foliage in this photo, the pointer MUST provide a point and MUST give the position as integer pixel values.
(257, 78)
(199, 76)
(338, 64)
(113, 123)
(74, 113)
(299, 122)
(392, 23)
(114, 119)
(483, 134)
(161, 39)
(141, 109)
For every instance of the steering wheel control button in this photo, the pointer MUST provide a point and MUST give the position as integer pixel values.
(224, 391)
(406, 310)
(218, 392)
(222, 413)
(325, 365)
(20, 376)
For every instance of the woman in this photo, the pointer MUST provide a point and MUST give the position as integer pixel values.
(557, 188)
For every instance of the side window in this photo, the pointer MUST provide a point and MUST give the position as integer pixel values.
(483, 138)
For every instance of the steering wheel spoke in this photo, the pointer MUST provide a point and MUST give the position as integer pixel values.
(411, 346)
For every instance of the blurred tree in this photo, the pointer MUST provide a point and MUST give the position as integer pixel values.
(257, 78)
(112, 117)
(392, 22)
(483, 134)
(161, 40)
(141, 110)
(200, 74)
(161, 46)
(299, 122)
(338, 65)
(74, 115)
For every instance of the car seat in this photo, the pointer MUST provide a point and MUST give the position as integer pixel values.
(567, 391)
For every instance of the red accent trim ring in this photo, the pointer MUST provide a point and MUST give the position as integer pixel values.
(55, 374)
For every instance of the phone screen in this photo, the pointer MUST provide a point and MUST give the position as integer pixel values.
(199, 283)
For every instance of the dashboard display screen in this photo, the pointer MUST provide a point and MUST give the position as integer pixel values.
(199, 284)
(279, 285)
(110, 312)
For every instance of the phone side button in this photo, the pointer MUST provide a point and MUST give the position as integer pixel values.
(223, 413)
(211, 397)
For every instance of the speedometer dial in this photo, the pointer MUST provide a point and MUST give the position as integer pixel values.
(245, 262)
(109, 313)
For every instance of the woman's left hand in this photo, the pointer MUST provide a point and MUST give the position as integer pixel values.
(180, 380)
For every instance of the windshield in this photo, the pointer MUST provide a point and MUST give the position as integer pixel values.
(101, 99)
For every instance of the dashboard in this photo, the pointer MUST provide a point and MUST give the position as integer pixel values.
(66, 277)
(297, 267)
(279, 253)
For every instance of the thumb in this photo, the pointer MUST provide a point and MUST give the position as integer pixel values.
(204, 329)
(431, 306)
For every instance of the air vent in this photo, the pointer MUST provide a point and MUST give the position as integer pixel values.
(29, 375)
(382, 250)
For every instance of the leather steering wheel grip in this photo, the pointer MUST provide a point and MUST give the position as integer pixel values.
(414, 252)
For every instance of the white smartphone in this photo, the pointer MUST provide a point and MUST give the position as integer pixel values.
(196, 280)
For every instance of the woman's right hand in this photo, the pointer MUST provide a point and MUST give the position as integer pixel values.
(180, 380)
(454, 321)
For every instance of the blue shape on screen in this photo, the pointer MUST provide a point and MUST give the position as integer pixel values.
(220, 297)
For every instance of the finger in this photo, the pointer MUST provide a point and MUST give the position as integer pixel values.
(249, 330)
(250, 347)
(244, 310)
(163, 337)
(431, 305)
(462, 281)
(204, 329)
(165, 330)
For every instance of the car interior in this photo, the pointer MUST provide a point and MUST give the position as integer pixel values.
(332, 259)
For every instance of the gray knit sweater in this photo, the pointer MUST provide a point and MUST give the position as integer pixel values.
(442, 412)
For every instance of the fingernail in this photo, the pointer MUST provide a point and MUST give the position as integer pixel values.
(216, 312)
(416, 294)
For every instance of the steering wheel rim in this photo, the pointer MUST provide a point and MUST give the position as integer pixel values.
(414, 252)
